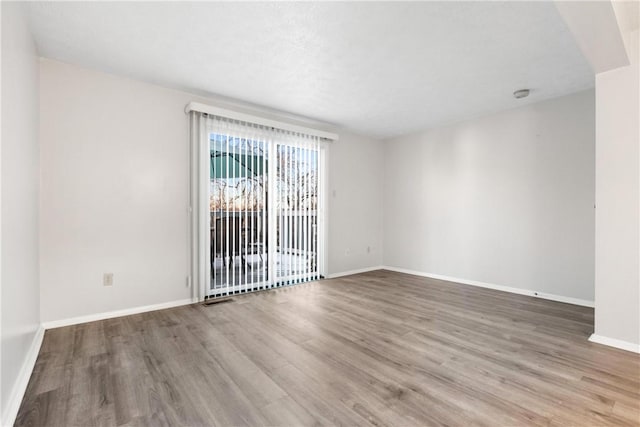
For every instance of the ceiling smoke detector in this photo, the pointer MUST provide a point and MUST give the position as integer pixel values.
(522, 93)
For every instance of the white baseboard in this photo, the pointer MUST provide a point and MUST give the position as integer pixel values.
(612, 342)
(552, 297)
(19, 388)
(117, 313)
(350, 272)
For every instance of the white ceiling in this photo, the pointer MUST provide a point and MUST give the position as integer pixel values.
(380, 69)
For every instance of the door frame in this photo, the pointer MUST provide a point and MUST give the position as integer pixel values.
(201, 236)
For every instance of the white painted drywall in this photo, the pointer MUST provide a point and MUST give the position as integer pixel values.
(115, 186)
(355, 168)
(617, 277)
(20, 186)
(114, 170)
(506, 199)
(594, 27)
(628, 20)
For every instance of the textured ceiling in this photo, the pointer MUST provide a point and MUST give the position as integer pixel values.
(380, 69)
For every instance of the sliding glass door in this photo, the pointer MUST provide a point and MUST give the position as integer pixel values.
(265, 196)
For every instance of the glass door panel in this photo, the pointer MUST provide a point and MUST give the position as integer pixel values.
(263, 233)
(238, 209)
(296, 213)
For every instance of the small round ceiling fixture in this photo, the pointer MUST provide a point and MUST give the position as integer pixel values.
(521, 93)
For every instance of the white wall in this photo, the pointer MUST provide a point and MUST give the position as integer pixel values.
(506, 199)
(355, 204)
(617, 278)
(114, 168)
(20, 187)
(115, 186)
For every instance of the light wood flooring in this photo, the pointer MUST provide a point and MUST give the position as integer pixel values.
(379, 348)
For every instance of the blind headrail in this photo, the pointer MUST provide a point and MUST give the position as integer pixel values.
(249, 118)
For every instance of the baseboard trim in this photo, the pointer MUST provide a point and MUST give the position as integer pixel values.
(612, 342)
(20, 387)
(117, 313)
(351, 272)
(528, 292)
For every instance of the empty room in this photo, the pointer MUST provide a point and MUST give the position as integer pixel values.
(320, 213)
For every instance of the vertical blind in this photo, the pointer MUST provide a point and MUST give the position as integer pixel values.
(257, 199)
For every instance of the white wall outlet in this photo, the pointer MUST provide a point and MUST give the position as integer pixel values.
(347, 252)
(107, 279)
(368, 249)
(188, 284)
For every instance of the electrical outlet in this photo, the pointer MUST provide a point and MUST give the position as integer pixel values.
(188, 284)
(107, 279)
(368, 249)
(347, 252)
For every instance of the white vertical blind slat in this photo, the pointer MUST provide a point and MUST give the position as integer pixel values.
(316, 231)
(253, 200)
(285, 206)
(304, 211)
(242, 220)
(264, 226)
(310, 261)
(225, 221)
(295, 241)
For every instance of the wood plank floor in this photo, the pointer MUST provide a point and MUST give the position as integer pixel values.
(378, 348)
